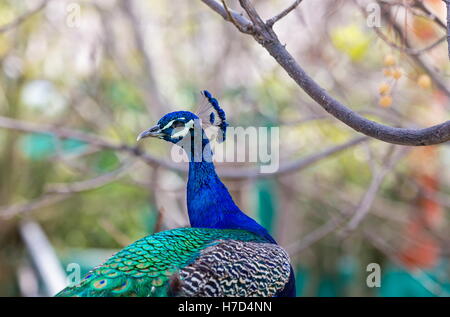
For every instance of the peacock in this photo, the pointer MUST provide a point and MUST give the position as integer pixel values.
(223, 253)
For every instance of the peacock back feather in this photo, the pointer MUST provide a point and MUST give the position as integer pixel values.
(190, 262)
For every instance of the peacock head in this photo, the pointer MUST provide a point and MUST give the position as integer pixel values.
(176, 126)
(172, 127)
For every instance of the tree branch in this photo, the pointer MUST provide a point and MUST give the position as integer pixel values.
(283, 13)
(150, 84)
(265, 36)
(416, 58)
(38, 203)
(368, 198)
(19, 20)
(244, 24)
(85, 185)
(314, 236)
(447, 3)
(230, 18)
(226, 173)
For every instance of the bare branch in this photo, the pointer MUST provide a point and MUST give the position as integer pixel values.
(19, 20)
(447, 3)
(121, 238)
(151, 85)
(64, 133)
(92, 139)
(227, 173)
(408, 50)
(290, 167)
(38, 203)
(420, 276)
(285, 12)
(252, 14)
(404, 136)
(419, 4)
(377, 180)
(234, 21)
(416, 58)
(314, 236)
(244, 24)
(93, 183)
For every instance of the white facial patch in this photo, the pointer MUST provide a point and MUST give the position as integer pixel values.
(168, 125)
(182, 133)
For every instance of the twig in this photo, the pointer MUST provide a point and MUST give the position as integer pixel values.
(254, 16)
(407, 50)
(416, 58)
(447, 3)
(404, 136)
(231, 18)
(283, 13)
(314, 236)
(418, 274)
(151, 85)
(244, 24)
(421, 6)
(290, 167)
(377, 179)
(334, 223)
(226, 173)
(90, 138)
(19, 20)
(90, 184)
(121, 238)
(38, 203)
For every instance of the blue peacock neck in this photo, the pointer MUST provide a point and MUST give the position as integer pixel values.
(209, 203)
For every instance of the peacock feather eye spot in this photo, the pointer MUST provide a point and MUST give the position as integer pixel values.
(123, 287)
(99, 284)
(157, 282)
(113, 274)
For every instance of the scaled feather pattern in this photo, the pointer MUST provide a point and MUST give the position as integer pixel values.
(190, 262)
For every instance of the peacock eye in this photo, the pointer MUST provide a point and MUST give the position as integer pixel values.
(178, 124)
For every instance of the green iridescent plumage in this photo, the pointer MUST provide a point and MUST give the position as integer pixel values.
(152, 266)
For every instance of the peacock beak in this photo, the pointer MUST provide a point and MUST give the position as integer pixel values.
(152, 132)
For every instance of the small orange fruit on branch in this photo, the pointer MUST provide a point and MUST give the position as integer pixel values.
(385, 101)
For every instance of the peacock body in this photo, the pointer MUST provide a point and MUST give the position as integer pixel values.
(190, 262)
(224, 253)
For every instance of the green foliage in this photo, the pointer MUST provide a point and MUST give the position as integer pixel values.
(351, 40)
(123, 95)
(399, 282)
(40, 146)
(104, 161)
(266, 196)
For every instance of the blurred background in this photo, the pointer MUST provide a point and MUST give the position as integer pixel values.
(80, 79)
